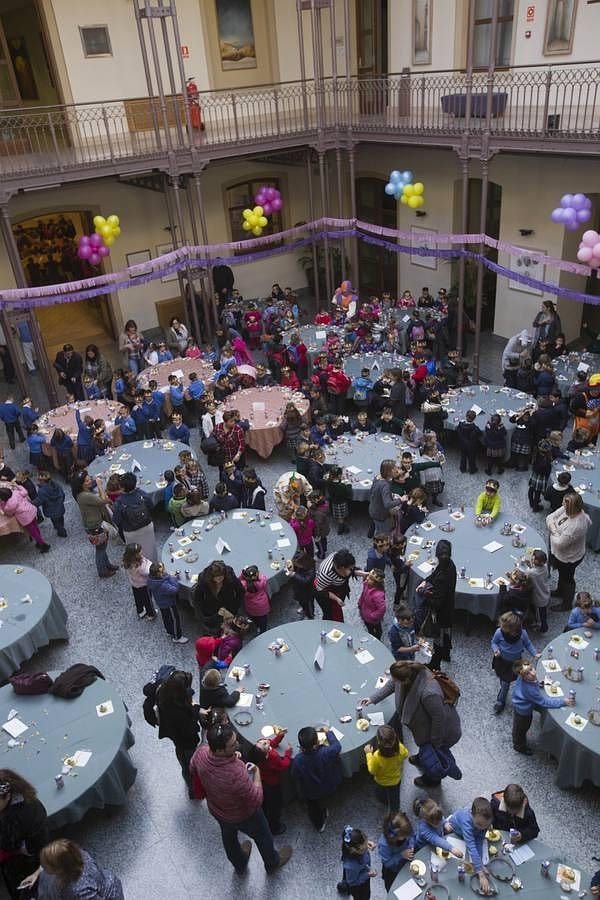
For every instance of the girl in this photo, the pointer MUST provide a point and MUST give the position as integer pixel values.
(138, 568)
(291, 425)
(585, 614)
(85, 431)
(15, 503)
(385, 764)
(340, 494)
(541, 467)
(151, 354)
(411, 434)
(430, 827)
(164, 589)
(396, 846)
(256, 598)
(520, 442)
(488, 503)
(62, 445)
(304, 526)
(527, 696)
(434, 414)
(193, 350)
(289, 378)
(319, 510)
(494, 441)
(471, 825)
(519, 595)
(302, 575)
(233, 630)
(35, 442)
(508, 643)
(356, 861)
(371, 603)
(272, 766)
(433, 481)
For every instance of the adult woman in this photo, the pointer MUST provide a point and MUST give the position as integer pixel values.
(177, 337)
(547, 323)
(568, 527)
(131, 345)
(426, 703)
(94, 509)
(332, 584)
(217, 588)
(381, 499)
(436, 599)
(96, 365)
(69, 873)
(178, 719)
(23, 830)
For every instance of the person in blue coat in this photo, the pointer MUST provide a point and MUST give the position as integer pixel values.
(356, 861)
(177, 430)
(471, 824)
(35, 442)
(10, 414)
(317, 772)
(152, 409)
(509, 642)
(29, 415)
(51, 499)
(163, 588)
(85, 432)
(585, 614)
(62, 444)
(527, 695)
(128, 427)
(138, 414)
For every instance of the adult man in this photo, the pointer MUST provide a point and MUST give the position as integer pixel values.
(26, 344)
(69, 366)
(132, 514)
(234, 797)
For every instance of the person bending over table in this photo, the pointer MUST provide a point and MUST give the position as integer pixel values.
(488, 503)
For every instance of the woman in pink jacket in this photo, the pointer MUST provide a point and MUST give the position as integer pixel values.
(241, 352)
(371, 603)
(15, 502)
(256, 599)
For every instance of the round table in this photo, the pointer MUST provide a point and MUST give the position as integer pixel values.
(576, 751)
(32, 617)
(182, 367)
(587, 483)
(154, 458)
(403, 317)
(535, 885)
(565, 368)
(313, 337)
(468, 542)
(301, 694)
(264, 408)
(64, 417)
(364, 453)
(57, 729)
(491, 398)
(250, 537)
(377, 363)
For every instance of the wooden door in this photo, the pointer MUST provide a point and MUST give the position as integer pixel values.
(9, 90)
(377, 266)
(371, 36)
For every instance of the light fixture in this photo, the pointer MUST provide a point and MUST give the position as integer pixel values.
(525, 232)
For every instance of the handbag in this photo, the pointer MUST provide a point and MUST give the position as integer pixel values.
(430, 627)
(97, 536)
(31, 683)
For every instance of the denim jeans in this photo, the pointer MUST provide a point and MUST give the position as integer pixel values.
(102, 560)
(503, 692)
(257, 828)
(133, 363)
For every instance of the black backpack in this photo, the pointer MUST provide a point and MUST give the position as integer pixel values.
(136, 515)
(150, 689)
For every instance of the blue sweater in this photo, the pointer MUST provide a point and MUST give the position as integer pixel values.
(84, 432)
(29, 416)
(176, 393)
(196, 389)
(400, 637)
(9, 413)
(318, 772)
(35, 442)
(432, 835)
(51, 498)
(64, 445)
(391, 854)
(151, 410)
(527, 694)
(509, 650)
(158, 398)
(578, 617)
(94, 392)
(180, 433)
(164, 590)
(377, 560)
(465, 828)
(165, 356)
(139, 417)
(357, 868)
(126, 424)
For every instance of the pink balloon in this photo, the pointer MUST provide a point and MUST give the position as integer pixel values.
(596, 250)
(584, 254)
(590, 238)
(95, 259)
(84, 240)
(103, 251)
(272, 193)
(96, 240)
(267, 208)
(84, 252)
(276, 204)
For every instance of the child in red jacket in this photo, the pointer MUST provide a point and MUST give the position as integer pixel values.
(256, 599)
(304, 525)
(289, 378)
(371, 603)
(337, 387)
(272, 766)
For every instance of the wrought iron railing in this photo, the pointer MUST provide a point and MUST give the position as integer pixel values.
(560, 102)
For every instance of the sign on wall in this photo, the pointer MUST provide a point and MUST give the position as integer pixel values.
(530, 14)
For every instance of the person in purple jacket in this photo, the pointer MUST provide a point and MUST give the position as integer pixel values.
(527, 695)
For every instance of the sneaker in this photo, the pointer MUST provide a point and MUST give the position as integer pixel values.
(414, 759)
(152, 618)
(181, 640)
(142, 614)
(109, 573)
(285, 854)
(299, 611)
(322, 828)
(246, 850)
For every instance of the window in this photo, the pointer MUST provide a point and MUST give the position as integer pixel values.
(240, 197)
(483, 33)
(95, 40)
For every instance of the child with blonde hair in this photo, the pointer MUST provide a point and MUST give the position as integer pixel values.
(396, 846)
(509, 642)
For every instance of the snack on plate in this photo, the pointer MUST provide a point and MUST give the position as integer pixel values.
(362, 724)
(418, 868)
(493, 835)
(443, 854)
(336, 634)
(567, 874)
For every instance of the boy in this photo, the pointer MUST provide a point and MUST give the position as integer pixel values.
(389, 423)
(469, 438)
(363, 385)
(402, 635)
(127, 426)
(527, 696)
(164, 589)
(28, 414)
(316, 770)
(558, 489)
(51, 499)
(176, 394)
(151, 410)
(138, 415)
(511, 810)
(177, 430)
(11, 415)
(222, 500)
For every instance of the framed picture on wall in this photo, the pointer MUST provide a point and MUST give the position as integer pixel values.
(138, 257)
(421, 237)
(236, 34)
(525, 264)
(161, 249)
(560, 26)
(422, 11)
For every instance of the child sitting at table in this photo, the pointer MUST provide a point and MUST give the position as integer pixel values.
(92, 389)
(388, 423)
(488, 503)
(471, 824)
(385, 762)
(585, 614)
(256, 599)
(430, 827)
(233, 630)
(580, 440)
(222, 500)
(402, 635)
(289, 379)
(177, 430)
(213, 693)
(362, 424)
(511, 809)
(412, 435)
(527, 696)
(396, 846)
(176, 504)
(508, 643)
(518, 597)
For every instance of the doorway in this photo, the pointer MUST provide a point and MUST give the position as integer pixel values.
(372, 54)
(377, 266)
(27, 76)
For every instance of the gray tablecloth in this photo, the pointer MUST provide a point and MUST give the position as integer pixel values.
(154, 458)
(566, 368)
(490, 398)
(301, 694)
(467, 550)
(313, 337)
(577, 752)
(58, 729)
(27, 626)
(588, 483)
(364, 453)
(535, 885)
(403, 317)
(377, 363)
(250, 543)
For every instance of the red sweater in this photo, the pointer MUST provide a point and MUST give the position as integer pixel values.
(231, 794)
(338, 383)
(272, 768)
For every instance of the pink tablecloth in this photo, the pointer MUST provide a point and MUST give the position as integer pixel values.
(64, 417)
(264, 433)
(204, 370)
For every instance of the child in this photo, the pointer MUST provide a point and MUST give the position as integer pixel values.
(402, 635)
(519, 596)
(433, 476)
(469, 437)
(289, 378)
(128, 429)
(362, 424)
(138, 414)
(233, 630)
(340, 494)
(35, 442)
(92, 389)
(555, 439)
(541, 467)
(488, 503)
(494, 441)
(302, 575)
(10, 414)
(430, 827)
(164, 589)
(540, 587)
(16, 504)
(356, 861)
(252, 494)
(371, 603)
(412, 435)
(272, 766)
(585, 614)
(315, 470)
(378, 556)
(580, 440)
(291, 425)
(319, 433)
(177, 430)
(317, 772)
(51, 499)
(176, 504)
(434, 414)
(508, 643)
(471, 825)
(169, 477)
(319, 510)
(151, 354)
(385, 764)
(256, 598)
(558, 489)
(337, 387)
(164, 354)
(176, 393)
(511, 811)
(213, 693)
(363, 385)
(304, 526)
(222, 500)
(388, 423)
(151, 410)
(527, 695)
(28, 414)
(396, 846)
(63, 447)
(138, 569)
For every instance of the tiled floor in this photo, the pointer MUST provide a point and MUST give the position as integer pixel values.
(165, 846)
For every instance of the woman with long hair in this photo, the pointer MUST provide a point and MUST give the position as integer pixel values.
(218, 588)
(70, 873)
(436, 603)
(23, 831)
(178, 719)
(97, 366)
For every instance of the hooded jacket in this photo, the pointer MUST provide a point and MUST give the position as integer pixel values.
(19, 506)
(164, 590)
(371, 604)
(51, 498)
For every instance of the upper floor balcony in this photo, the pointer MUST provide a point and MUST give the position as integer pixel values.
(554, 108)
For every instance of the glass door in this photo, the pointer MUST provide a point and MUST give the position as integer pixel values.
(371, 38)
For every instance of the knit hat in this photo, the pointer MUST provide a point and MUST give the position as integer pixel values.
(205, 649)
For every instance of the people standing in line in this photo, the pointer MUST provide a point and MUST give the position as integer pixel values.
(568, 528)
(23, 831)
(317, 773)
(94, 504)
(178, 719)
(132, 512)
(164, 588)
(137, 567)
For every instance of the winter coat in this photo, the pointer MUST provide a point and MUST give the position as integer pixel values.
(432, 721)
(208, 604)
(568, 546)
(51, 498)
(19, 506)
(381, 500)
(440, 597)
(371, 604)
(256, 603)
(164, 590)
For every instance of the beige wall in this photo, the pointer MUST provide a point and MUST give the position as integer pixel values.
(442, 36)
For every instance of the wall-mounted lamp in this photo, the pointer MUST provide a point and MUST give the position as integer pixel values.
(525, 232)
(419, 213)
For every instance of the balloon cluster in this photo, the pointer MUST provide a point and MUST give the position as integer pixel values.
(95, 247)
(401, 187)
(254, 220)
(573, 212)
(589, 249)
(269, 198)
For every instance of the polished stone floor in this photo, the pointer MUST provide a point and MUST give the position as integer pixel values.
(165, 846)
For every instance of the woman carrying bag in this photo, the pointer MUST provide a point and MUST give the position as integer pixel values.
(435, 604)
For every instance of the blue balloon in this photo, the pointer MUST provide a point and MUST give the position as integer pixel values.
(390, 189)
(397, 196)
(407, 176)
(395, 176)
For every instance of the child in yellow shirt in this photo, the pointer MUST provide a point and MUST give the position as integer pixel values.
(385, 763)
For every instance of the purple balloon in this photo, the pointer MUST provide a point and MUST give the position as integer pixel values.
(272, 193)
(103, 251)
(566, 200)
(96, 240)
(557, 214)
(571, 226)
(267, 208)
(276, 204)
(588, 203)
(84, 240)
(95, 259)
(260, 199)
(583, 215)
(84, 252)
(578, 201)
(569, 214)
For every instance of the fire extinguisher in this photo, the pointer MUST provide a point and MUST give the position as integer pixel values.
(194, 103)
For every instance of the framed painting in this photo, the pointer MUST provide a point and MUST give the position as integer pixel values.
(138, 257)
(560, 27)
(236, 34)
(422, 11)
(525, 264)
(421, 237)
(161, 249)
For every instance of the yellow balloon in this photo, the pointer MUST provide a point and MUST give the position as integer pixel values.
(408, 190)
(413, 202)
(247, 213)
(109, 241)
(418, 188)
(106, 231)
(99, 220)
(263, 221)
(257, 231)
(113, 220)
(246, 225)
(258, 211)
(253, 220)
(403, 199)
(420, 203)
(116, 231)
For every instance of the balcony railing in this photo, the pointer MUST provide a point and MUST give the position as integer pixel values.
(560, 103)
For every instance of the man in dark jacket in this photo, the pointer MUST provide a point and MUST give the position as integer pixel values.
(69, 366)
(546, 418)
(317, 772)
